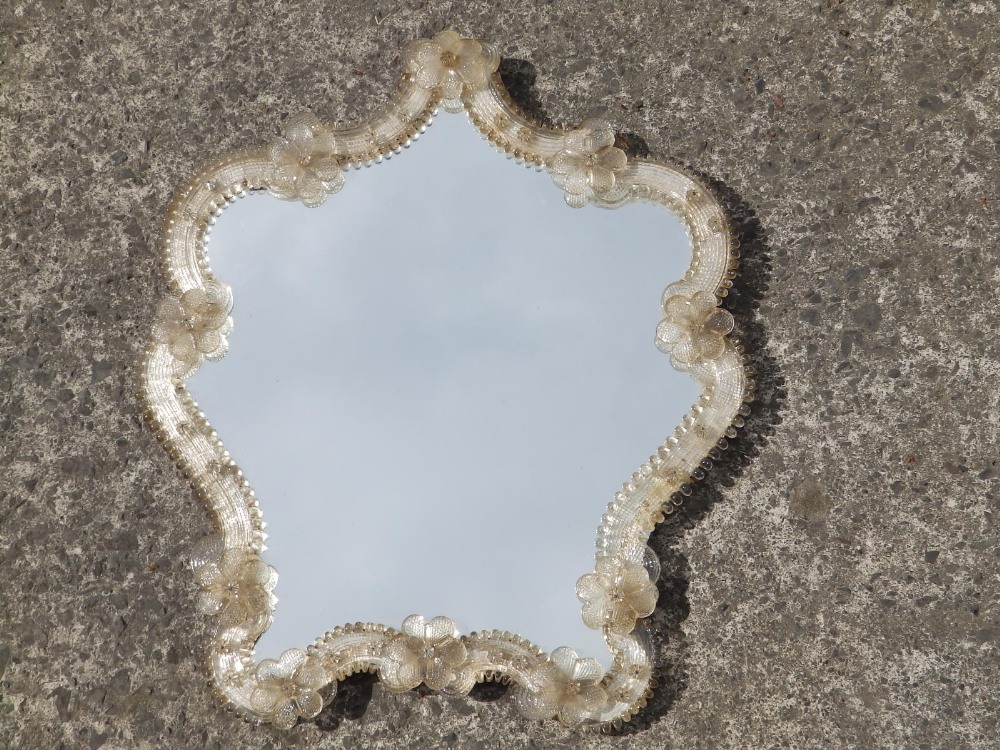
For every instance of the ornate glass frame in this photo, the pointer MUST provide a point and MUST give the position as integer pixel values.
(193, 320)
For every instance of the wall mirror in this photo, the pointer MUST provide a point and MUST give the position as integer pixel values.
(440, 370)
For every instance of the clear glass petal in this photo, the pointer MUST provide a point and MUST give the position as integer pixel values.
(590, 587)
(272, 670)
(414, 626)
(207, 341)
(596, 612)
(702, 303)
(323, 144)
(209, 575)
(651, 563)
(577, 141)
(206, 550)
(436, 676)
(490, 58)
(311, 190)
(677, 307)
(471, 71)
(292, 659)
(565, 659)
(588, 670)
(440, 628)
(684, 350)
(266, 698)
(208, 603)
(450, 41)
(593, 698)
(235, 614)
(256, 572)
(609, 567)
(643, 601)
(719, 321)
(302, 126)
(192, 299)
(621, 619)
(327, 169)
(182, 346)
(564, 162)
(668, 331)
(573, 712)
(599, 133)
(311, 675)
(613, 159)
(543, 704)
(406, 676)
(708, 346)
(453, 653)
(309, 703)
(428, 70)
(285, 716)
(601, 180)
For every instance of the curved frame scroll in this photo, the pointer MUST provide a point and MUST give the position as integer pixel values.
(193, 321)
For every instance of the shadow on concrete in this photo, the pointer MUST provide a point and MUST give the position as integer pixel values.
(354, 693)
(519, 78)
(673, 606)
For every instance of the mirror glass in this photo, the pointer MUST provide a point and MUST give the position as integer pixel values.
(436, 383)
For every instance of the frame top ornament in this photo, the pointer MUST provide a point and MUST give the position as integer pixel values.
(194, 319)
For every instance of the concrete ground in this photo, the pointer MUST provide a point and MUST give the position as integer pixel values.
(834, 585)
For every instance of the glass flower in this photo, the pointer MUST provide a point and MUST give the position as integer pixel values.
(195, 324)
(588, 162)
(305, 166)
(287, 688)
(616, 595)
(428, 652)
(236, 589)
(565, 686)
(449, 63)
(694, 329)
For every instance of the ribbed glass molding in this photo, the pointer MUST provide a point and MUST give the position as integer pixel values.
(193, 321)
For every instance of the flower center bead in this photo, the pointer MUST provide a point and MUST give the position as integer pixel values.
(448, 59)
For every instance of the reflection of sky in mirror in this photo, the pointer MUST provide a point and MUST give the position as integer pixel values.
(436, 383)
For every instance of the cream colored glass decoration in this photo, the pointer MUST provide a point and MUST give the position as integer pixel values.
(193, 323)
(616, 595)
(288, 688)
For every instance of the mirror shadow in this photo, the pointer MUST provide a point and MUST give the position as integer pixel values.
(673, 606)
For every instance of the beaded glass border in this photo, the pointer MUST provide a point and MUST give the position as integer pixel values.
(193, 320)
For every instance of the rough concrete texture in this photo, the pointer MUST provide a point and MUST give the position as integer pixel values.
(833, 585)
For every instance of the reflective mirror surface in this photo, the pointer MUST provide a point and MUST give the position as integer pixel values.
(436, 382)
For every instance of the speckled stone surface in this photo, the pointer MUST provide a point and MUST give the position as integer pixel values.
(834, 585)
